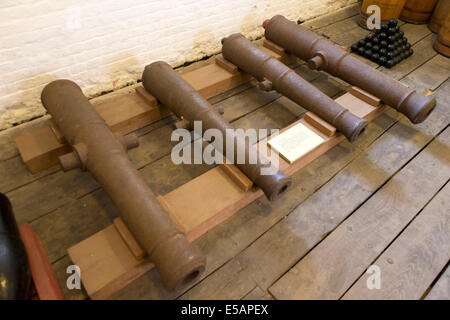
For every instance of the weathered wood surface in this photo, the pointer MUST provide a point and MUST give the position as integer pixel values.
(324, 274)
(65, 209)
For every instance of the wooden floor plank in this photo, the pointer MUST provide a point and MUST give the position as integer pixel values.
(441, 289)
(331, 267)
(271, 255)
(418, 255)
(430, 75)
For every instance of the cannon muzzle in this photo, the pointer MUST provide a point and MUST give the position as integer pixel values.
(322, 54)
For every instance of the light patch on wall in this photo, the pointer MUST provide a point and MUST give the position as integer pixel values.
(204, 44)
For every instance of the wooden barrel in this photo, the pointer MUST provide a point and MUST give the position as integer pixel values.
(389, 9)
(442, 43)
(418, 11)
(440, 12)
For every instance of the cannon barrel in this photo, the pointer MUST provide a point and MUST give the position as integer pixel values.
(322, 54)
(160, 80)
(273, 74)
(97, 149)
(15, 274)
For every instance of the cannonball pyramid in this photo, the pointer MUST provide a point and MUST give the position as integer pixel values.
(386, 46)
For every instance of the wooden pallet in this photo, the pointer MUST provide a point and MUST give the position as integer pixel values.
(112, 258)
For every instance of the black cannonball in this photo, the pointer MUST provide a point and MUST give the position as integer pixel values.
(383, 43)
(361, 43)
(375, 40)
(384, 27)
(382, 52)
(390, 47)
(391, 38)
(408, 46)
(383, 35)
(404, 40)
(382, 61)
(376, 48)
(354, 47)
(361, 51)
(390, 63)
(401, 33)
(368, 45)
(390, 55)
(410, 52)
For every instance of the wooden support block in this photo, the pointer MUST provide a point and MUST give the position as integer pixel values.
(39, 148)
(227, 65)
(274, 47)
(129, 239)
(237, 176)
(320, 124)
(365, 96)
(108, 264)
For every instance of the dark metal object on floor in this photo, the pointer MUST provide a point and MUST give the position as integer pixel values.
(160, 80)
(97, 149)
(324, 55)
(15, 275)
(274, 75)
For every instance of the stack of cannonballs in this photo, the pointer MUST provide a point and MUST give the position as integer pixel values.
(386, 46)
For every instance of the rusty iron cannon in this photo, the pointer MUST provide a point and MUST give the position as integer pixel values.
(160, 80)
(322, 54)
(97, 149)
(274, 75)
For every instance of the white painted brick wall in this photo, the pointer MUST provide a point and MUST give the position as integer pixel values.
(105, 44)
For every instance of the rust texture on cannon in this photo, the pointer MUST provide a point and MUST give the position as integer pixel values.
(97, 149)
(322, 54)
(274, 75)
(160, 80)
